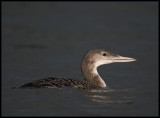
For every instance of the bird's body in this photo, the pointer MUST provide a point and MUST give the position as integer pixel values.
(92, 59)
(57, 82)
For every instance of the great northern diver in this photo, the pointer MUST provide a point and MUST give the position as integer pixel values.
(92, 59)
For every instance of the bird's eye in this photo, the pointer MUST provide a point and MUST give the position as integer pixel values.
(104, 54)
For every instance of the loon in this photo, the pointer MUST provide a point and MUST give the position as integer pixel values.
(92, 59)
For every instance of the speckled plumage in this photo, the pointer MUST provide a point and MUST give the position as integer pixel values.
(54, 82)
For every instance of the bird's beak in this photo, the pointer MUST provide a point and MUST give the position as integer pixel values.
(122, 59)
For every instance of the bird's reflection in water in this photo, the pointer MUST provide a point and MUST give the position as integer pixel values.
(109, 96)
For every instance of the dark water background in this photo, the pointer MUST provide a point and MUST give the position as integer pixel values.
(41, 39)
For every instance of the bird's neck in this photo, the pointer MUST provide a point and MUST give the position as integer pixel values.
(89, 70)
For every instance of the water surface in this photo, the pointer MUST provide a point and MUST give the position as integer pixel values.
(41, 39)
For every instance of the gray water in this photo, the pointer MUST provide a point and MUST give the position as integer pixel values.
(41, 39)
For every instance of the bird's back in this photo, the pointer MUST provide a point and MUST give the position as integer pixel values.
(55, 82)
